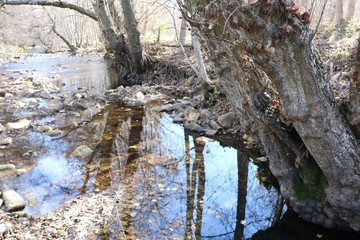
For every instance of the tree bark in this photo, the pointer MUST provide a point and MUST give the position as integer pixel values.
(133, 36)
(339, 14)
(183, 28)
(350, 10)
(353, 106)
(277, 82)
(59, 4)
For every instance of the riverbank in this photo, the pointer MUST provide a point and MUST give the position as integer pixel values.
(35, 111)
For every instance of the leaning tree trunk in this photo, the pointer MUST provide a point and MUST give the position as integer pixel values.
(277, 82)
(133, 36)
(114, 43)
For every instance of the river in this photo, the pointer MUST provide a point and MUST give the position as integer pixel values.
(174, 185)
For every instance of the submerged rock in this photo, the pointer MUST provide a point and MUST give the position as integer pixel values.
(53, 133)
(193, 126)
(13, 201)
(204, 140)
(179, 118)
(44, 128)
(82, 151)
(19, 125)
(227, 120)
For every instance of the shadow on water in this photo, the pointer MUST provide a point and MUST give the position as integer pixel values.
(172, 186)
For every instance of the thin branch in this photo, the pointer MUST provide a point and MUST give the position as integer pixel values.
(59, 4)
(318, 24)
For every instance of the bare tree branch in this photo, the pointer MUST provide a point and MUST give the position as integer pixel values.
(59, 4)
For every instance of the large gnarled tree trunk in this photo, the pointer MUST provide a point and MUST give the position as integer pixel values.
(278, 86)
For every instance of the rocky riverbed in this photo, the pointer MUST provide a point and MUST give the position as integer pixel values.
(30, 105)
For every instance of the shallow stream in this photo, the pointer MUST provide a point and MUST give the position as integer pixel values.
(175, 185)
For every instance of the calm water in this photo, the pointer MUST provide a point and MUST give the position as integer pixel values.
(65, 71)
(173, 187)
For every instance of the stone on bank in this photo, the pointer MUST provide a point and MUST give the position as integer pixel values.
(13, 201)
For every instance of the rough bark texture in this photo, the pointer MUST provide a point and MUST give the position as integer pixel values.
(276, 81)
(353, 105)
(60, 4)
(183, 29)
(133, 35)
(114, 42)
(339, 14)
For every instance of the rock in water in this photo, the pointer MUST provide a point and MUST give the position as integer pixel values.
(82, 151)
(227, 120)
(193, 126)
(19, 125)
(6, 141)
(13, 201)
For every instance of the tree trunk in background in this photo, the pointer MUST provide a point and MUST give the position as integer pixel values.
(133, 36)
(339, 14)
(305, 4)
(183, 28)
(278, 86)
(72, 48)
(351, 10)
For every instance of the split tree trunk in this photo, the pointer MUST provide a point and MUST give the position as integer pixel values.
(133, 36)
(277, 82)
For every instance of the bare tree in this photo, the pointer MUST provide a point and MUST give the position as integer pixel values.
(133, 36)
(276, 81)
(339, 14)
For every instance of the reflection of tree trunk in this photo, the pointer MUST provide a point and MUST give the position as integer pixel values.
(189, 191)
(199, 158)
(195, 183)
(243, 167)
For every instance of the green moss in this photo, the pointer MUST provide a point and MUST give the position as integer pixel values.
(312, 183)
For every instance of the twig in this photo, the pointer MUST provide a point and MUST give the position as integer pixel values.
(318, 24)
(228, 18)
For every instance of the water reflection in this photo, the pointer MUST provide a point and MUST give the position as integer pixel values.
(169, 185)
(67, 72)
